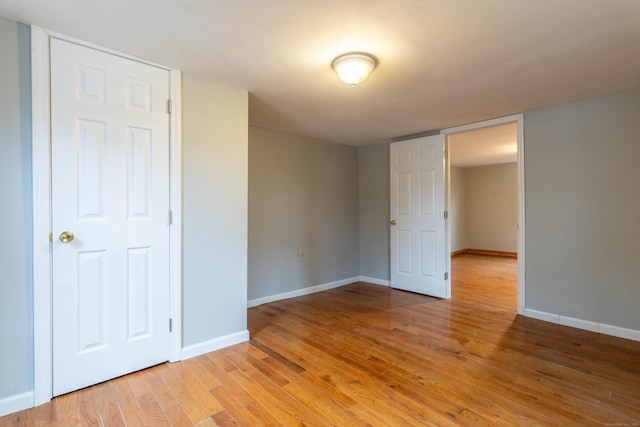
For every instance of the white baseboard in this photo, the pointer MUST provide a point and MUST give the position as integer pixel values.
(602, 328)
(541, 315)
(303, 291)
(617, 331)
(214, 344)
(375, 281)
(18, 402)
(578, 323)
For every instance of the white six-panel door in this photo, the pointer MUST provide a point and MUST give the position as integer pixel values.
(110, 189)
(417, 216)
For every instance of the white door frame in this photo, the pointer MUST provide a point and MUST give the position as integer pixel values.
(41, 174)
(519, 120)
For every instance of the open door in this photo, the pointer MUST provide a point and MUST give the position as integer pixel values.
(418, 252)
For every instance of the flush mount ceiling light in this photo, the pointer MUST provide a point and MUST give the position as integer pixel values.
(353, 68)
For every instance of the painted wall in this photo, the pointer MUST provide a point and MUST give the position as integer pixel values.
(582, 209)
(16, 260)
(458, 209)
(215, 177)
(491, 207)
(302, 192)
(373, 173)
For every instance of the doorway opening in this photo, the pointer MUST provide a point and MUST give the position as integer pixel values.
(485, 203)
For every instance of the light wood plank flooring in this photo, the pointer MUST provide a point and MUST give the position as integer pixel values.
(368, 355)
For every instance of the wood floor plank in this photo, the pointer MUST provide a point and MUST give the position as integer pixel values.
(165, 398)
(146, 400)
(234, 398)
(323, 404)
(107, 405)
(284, 416)
(223, 419)
(280, 403)
(177, 416)
(87, 408)
(152, 411)
(187, 401)
(206, 378)
(201, 392)
(129, 407)
(45, 415)
(18, 419)
(68, 410)
(163, 395)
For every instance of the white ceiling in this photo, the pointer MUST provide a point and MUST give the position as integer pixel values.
(441, 63)
(486, 146)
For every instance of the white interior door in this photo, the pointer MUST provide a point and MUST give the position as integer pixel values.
(110, 189)
(417, 216)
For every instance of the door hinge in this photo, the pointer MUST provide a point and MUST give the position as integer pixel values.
(446, 276)
(170, 217)
(446, 214)
(169, 106)
(50, 237)
(446, 153)
(170, 325)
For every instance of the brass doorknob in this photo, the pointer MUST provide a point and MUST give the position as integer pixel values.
(66, 236)
(393, 222)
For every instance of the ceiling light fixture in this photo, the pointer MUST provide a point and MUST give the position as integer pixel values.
(353, 68)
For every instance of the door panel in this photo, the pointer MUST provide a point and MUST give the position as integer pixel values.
(110, 188)
(138, 321)
(428, 250)
(139, 172)
(417, 206)
(404, 255)
(90, 161)
(404, 193)
(91, 302)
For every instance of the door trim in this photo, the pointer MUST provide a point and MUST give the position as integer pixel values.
(519, 120)
(41, 174)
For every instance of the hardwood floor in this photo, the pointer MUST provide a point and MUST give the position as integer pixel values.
(368, 355)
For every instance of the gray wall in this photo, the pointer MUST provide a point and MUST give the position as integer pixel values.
(373, 172)
(491, 207)
(215, 174)
(582, 209)
(16, 261)
(301, 192)
(457, 209)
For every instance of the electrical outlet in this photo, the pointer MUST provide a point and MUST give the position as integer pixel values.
(300, 250)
